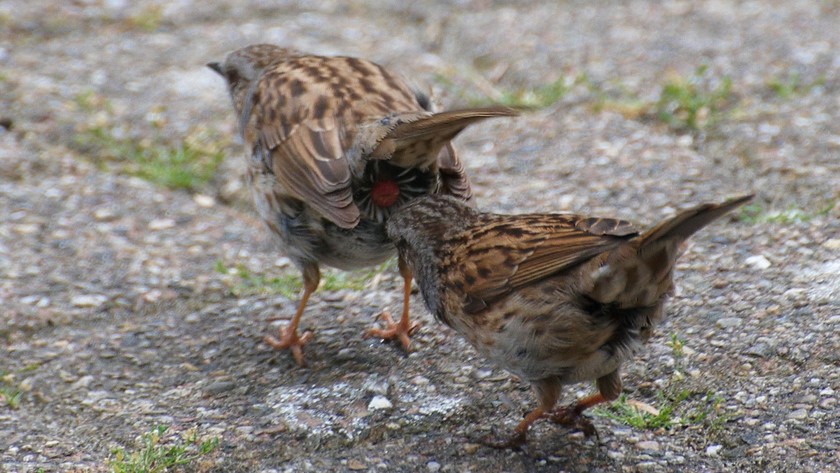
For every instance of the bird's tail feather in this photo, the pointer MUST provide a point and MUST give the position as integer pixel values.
(638, 273)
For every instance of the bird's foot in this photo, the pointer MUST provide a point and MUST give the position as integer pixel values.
(571, 416)
(400, 330)
(289, 339)
(514, 441)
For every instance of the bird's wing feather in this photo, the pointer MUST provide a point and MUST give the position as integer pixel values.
(406, 137)
(299, 130)
(511, 252)
(306, 113)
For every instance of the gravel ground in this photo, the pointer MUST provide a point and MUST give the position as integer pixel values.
(116, 317)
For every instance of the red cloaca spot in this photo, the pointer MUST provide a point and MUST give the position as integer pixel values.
(384, 193)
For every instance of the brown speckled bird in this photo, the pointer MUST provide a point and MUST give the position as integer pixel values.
(336, 144)
(555, 299)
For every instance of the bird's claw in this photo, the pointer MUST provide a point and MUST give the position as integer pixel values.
(571, 417)
(514, 441)
(289, 339)
(399, 330)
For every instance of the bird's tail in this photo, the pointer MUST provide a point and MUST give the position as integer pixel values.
(638, 274)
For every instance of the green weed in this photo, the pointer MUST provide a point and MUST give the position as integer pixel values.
(791, 85)
(614, 97)
(186, 165)
(11, 396)
(537, 97)
(89, 102)
(695, 102)
(678, 406)
(10, 392)
(156, 456)
(147, 18)
(479, 92)
(244, 282)
(755, 213)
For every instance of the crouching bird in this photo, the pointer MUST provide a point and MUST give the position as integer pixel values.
(336, 144)
(555, 299)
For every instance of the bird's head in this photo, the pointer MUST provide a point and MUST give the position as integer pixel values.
(242, 69)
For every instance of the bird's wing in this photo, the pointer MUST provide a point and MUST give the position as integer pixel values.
(408, 139)
(305, 112)
(298, 137)
(510, 252)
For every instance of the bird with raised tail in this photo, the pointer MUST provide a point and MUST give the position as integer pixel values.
(336, 145)
(555, 299)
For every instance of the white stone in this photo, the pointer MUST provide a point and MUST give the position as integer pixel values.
(420, 380)
(379, 402)
(161, 224)
(204, 200)
(758, 262)
(832, 244)
(685, 141)
(104, 214)
(712, 450)
(483, 373)
(88, 300)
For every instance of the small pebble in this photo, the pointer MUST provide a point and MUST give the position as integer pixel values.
(471, 448)
(104, 214)
(420, 380)
(379, 402)
(483, 373)
(685, 141)
(219, 387)
(648, 445)
(761, 350)
(758, 262)
(798, 414)
(356, 465)
(376, 385)
(161, 224)
(647, 466)
(832, 244)
(828, 403)
(729, 322)
(88, 300)
(245, 430)
(204, 200)
(713, 450)
(27, 228)
(433, 466)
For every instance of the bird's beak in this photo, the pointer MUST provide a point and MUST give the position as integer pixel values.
(216, 67)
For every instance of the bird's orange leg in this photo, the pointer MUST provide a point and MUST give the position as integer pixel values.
(519, 433)
(288, 336)
(547, 392)
(573, 415)
(404, 328)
